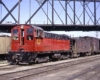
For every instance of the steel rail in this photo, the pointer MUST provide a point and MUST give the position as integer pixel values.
(84, 72)
(7, 67)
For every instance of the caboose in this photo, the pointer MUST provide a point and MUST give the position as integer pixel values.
(31, 44)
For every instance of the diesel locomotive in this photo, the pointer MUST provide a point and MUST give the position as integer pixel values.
(31, 44)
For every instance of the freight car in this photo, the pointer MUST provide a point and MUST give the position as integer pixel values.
(31, 44)
(85, 46)
(5, 42)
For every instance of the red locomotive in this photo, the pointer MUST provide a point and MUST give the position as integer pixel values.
(33, 44)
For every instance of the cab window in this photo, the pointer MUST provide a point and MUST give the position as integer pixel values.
(39, 33)
(30, 31)
(30, 34)
(15, 34)
(15, 31)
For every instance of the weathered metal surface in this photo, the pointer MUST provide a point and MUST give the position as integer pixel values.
(81, 45)
(4, 44)
(86, 44)
(95, 45)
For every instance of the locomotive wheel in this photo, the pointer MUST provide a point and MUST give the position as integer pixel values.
(17, 63)
(78, 55)
(86, 54)
(12, 63)
(68, 55)
(92, 53)
(61, 58)
(42, 59)
(89, 54)
(37, 60)
(65, 56)
(48, 59)
(30, 60)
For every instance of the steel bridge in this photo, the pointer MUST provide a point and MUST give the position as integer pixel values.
(52, 15)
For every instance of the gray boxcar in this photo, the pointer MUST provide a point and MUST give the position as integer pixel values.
(85, 46)
(95, 45)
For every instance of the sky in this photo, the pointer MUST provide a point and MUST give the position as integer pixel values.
(40, 17)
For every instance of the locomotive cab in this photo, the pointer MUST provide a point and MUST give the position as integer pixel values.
(24, 37)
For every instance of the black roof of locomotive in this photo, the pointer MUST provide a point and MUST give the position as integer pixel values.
(56, 36)
(52, 35)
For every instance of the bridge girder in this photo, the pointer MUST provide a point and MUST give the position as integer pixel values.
(87, 17)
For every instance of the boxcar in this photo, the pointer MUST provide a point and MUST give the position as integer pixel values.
(82, 46)
(5, 42)
(95, 45)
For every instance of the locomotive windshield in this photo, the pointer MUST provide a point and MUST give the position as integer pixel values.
(30, 34)
(15, 34)
(30, 31)
(15, 31)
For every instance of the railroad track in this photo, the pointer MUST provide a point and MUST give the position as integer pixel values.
(8, 67)
(22, 74)
(3, 65)
(85, 75)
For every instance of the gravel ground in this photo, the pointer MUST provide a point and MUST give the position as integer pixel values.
(67, 73)
(42, 64)
(3, 62)
(70, 73)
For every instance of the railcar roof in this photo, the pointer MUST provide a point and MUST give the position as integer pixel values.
(57, 36)
(4, 36)
(83, 37)
(91, 37)
(36, 27)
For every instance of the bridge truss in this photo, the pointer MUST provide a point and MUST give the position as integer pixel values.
(56, 14)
